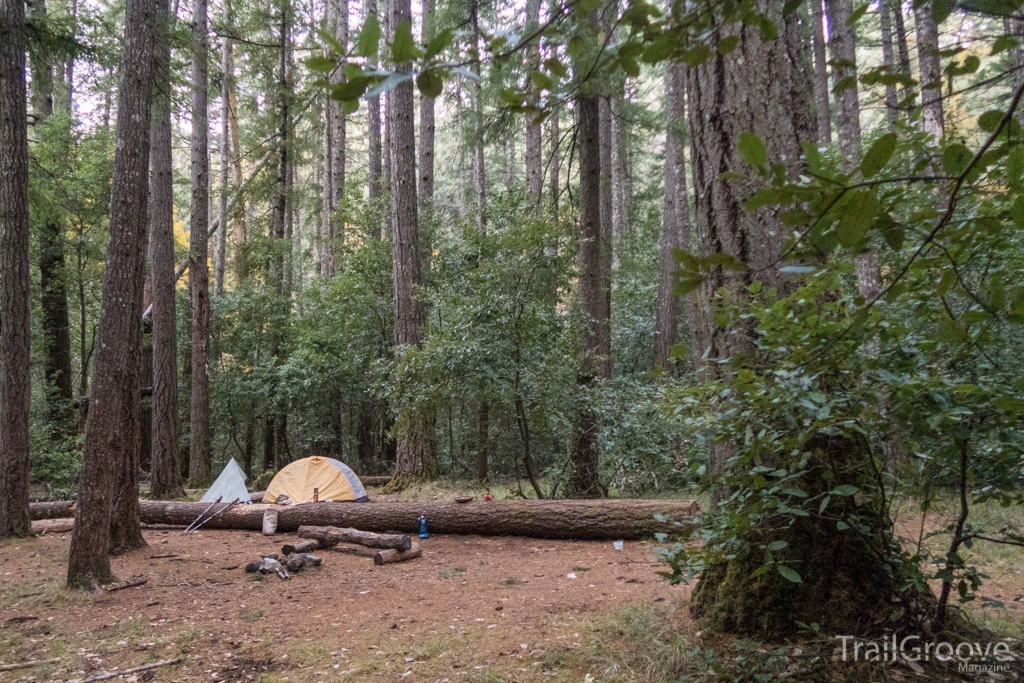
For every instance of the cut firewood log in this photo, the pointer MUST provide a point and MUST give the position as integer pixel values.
(257, 496)
(52, 509)
(376, 481)
(329, 535)
(392, 555)
(53, 526)
(307, 546)
(585, 520)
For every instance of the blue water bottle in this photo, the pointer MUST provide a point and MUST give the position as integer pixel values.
(423, 527)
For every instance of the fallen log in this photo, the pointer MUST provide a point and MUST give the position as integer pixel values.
(257, 496)
(329, 536)
(607, 519)
(52, 509)
(376, 481)
(393, 555)
(53, 526)
(300, 547)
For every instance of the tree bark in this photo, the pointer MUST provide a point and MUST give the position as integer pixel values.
(763, 88)
(554, 162)
(165, 469)
(15, 350)
(583, 453)
(888, 60)
(821, 103)
(843, 47)
(333, 535)
(606, 246)
(227, 74)
(415, 455)
(930, 67)
(622, 183)
(534, 169)
(594, 520)
(427, 124)
(675, 229)
(199, 469)
(483, 440)
(479, 167)
(373, 129)
(106, 516)
(336, 121)
(54, 308)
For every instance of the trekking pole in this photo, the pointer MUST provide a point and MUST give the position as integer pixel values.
(189, 527)
(215, 514)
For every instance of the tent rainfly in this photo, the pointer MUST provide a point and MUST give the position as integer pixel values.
(333, 479)
(229, 487)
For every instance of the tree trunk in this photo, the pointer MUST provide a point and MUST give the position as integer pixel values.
(426, 166)
(227, 74)
(930, 67)
(237, 209)
(55, 323)
(199, 469)
(622, 184)
(479, 168)
(585, 520)
(107, 512)
(843, 47)
(583, 453)
(821, 104)
(675, 230)
(483, 440)
(534, 168)
(165, 467)
(888, 60)
(415, 458)
(606, 247)
(336, 121)
(15, 351)
(779, 115)
(373, 127)
(554, 165)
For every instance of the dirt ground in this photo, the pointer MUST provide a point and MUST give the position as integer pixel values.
(471, 609)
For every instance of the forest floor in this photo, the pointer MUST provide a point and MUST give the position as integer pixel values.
(471, 610)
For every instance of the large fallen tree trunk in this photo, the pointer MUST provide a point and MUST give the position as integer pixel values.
(609, 519)
(53, 509)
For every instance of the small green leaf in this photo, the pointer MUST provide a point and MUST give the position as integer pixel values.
(430, 84)
(369, 37)
(776, 546)
(842, 526)
(878, 155)
(752, 149)
(857, 218)
(403, 48)
(438, 44)
(1017, 211)
(728, 44)
(788, 573)
(1004, 43)
(955, 158)
(320, 63)
(941, 9)
(844, 490)
(990, 120)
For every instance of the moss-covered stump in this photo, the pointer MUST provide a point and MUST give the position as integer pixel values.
(846, 587)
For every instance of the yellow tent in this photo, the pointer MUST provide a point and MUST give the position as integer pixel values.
(335, 480)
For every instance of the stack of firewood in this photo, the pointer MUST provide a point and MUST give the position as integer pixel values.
(393, 547)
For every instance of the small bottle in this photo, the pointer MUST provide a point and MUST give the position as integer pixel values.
(423, 527)
(316, 495)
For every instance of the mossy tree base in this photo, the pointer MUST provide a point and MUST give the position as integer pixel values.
(847, 587)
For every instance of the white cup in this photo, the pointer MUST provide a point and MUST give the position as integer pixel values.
(617, 545)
